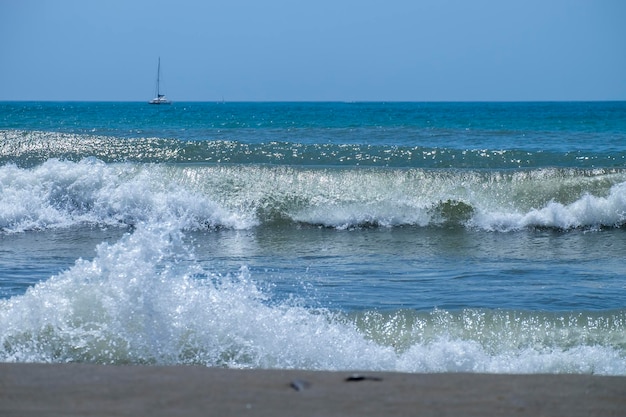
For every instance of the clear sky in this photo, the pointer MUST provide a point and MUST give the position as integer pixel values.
(329, 50)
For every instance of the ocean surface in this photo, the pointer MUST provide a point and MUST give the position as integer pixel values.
(413, 237)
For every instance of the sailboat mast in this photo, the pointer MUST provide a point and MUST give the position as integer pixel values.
(159, 78)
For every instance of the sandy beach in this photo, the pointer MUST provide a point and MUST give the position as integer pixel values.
(95, 390)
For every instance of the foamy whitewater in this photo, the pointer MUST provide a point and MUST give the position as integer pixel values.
(414, 237)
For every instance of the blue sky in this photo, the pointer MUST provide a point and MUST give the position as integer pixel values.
(328, 50)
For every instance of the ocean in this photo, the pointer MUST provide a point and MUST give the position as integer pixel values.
(411, 237)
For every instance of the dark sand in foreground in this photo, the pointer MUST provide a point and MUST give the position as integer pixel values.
(93, 390)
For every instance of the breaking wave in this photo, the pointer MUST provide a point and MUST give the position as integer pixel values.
(143, 300)
(59, 193)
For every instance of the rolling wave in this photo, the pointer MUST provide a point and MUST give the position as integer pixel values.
(59, 193)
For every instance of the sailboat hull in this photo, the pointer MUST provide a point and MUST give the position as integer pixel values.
(160, 100)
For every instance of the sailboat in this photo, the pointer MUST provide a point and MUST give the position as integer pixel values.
(160, 98)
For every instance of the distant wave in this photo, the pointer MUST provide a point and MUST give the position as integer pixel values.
(61, 193)
(29, 148)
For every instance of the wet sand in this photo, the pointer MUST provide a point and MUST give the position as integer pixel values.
(94, 390)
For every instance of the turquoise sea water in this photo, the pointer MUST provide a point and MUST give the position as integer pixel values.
(416, 237)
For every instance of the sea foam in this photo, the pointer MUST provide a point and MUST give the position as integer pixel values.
(63, 194)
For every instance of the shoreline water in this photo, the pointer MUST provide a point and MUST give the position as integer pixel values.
(105, 390)
(398, 237)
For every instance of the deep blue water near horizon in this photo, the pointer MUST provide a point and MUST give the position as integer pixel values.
(416, 237)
